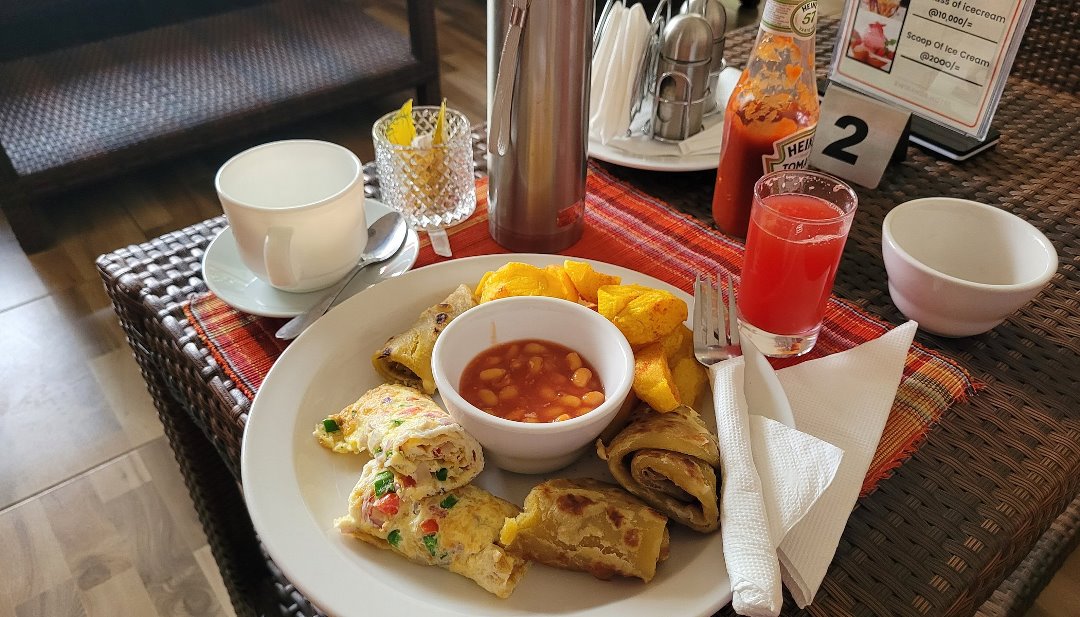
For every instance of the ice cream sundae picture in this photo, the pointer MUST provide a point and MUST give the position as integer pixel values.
(873, 46)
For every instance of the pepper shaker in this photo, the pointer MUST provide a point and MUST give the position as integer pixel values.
(714, 13)
(682, 75)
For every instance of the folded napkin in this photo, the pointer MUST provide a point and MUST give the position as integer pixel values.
(788, 492)
(619, 55)
(602, 55)
(772, 475)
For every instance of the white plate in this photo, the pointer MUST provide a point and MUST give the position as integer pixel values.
(686, 162)
(294, 488)
(657, 161)
(227, 276)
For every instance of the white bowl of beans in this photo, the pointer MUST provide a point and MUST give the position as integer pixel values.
(535, 380)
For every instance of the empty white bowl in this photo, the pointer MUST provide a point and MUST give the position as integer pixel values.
(960, 267)
(519, 446)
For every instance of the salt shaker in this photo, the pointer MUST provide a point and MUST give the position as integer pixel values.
(714, 13)
(682, 75)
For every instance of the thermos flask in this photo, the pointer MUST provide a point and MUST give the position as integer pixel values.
(540, 53)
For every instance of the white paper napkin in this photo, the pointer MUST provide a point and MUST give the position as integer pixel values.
(619, 55)
(845, 400)
(772, 475)
(787, 511)
(601, 61)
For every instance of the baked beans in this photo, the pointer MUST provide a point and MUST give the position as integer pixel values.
(532, 381)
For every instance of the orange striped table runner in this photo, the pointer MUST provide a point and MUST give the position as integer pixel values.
(626, 227)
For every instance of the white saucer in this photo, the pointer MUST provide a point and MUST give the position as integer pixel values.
(686, 162)
(650, 158)
(228, 277)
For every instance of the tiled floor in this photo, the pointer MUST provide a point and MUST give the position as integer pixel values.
(95, 520)
(119, 539)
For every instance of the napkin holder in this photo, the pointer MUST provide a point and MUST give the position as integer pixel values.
(673, 91)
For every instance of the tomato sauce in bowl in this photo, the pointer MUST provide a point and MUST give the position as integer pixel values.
(531, 380)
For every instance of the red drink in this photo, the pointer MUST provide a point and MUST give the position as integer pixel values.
(786, 282)
(793, 249)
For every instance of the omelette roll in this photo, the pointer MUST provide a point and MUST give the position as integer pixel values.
(408, 432)
(670, 461)
(406, 357)
(590, 526)
(457, 530)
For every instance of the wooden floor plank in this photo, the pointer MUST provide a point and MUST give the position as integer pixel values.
(209, 568)
(94, 549)
(123, 594)
(63, 600)
(169, 484)
(32, 561)
(120, 382)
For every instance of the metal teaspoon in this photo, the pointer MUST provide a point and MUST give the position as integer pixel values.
(385, 237)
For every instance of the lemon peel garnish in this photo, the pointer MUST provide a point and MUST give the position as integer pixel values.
(402, 130)
(440, 125)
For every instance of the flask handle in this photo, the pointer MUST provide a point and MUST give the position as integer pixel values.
(505, 79)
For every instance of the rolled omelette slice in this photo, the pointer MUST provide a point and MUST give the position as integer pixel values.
(408, 432)
(670, 460)
(457, 530)
(406, 357)
(590, 526)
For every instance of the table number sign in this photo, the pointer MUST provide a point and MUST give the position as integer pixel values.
(944, 60)
(857, 135)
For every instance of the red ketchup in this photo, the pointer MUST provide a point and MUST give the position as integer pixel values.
(772, 113)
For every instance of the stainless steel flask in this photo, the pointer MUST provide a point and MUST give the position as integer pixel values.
(538, 128)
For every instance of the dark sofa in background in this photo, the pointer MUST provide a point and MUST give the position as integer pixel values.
(94, 88)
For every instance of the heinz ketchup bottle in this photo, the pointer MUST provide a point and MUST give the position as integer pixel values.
(771, 116)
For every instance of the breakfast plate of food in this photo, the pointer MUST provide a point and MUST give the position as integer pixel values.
(373, 498)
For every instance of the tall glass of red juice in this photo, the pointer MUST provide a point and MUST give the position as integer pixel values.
(799, 222)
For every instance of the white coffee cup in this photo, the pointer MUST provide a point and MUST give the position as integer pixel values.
(296, 209)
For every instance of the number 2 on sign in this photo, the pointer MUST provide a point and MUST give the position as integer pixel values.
(837, 149)
(856, 136)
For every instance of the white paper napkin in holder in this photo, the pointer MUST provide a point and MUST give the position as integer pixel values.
(620, 53)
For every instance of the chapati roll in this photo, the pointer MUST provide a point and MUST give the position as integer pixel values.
(406, 357)
(407, 431)
(590, 526)
(670, 460)
(457, 530)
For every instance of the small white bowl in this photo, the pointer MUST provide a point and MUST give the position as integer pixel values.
(519, 446)
(960, 267)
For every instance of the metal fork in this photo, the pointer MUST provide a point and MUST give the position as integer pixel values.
(716, 326)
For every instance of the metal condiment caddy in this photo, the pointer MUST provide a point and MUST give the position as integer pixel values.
(682, 62)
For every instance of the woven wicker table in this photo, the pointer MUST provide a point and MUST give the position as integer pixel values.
(975, 522)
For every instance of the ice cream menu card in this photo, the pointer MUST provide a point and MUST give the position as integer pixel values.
(945, 60)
